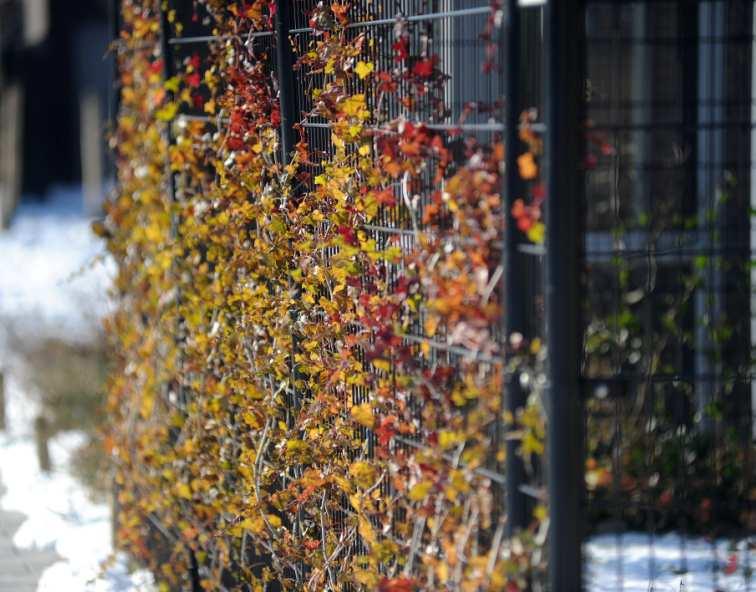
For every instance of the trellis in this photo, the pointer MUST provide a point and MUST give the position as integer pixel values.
(540, 58)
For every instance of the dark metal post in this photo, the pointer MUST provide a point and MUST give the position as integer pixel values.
(168, 73)
(115, 97)
(565, 39)
(3, 425)
(286, 100)
(285, 72)
(514, 269)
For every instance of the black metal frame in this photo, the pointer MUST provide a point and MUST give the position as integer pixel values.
(564, 147)
(514, 267)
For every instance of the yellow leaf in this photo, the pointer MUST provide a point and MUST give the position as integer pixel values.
(355, 106)
(297, 450)
(364, 473)
(251, 420)
(255, 525)
(172, 84)
(363, 414)
(531, 445)
(167, 113)
(382, 364)
(364, 69)
(419, 491)
(338, 141)
(447, 439)
(366, 530)
(537, 232)
(431, 325)
(366, 578)
(274, 520)
(364, 150)
(356, 501)
(343, 484)
(183, 490)
(442, 571)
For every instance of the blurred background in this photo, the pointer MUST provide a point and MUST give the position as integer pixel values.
(54, 82)
(56, 99)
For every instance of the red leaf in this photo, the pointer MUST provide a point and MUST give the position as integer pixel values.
(423, 68)
(340, 12)
(275, 116)
(524, 223)
(732, 564)
(348, 234)
(156, 67)
(235, 143)
(386, 430)
(386, 197)
(193, 79)
(397, 585)
(401, 49)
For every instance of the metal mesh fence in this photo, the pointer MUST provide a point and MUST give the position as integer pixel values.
(665, 241)
(667, 367)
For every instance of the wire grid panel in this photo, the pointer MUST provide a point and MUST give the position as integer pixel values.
(464, 108)
(468, 107)
(669, 302)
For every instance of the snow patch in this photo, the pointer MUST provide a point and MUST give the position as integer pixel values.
(636, 562)
(54, 284)
(55, 277)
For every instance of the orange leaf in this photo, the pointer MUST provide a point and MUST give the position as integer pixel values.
(527, 166)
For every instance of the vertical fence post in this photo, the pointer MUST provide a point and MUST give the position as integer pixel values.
(169, 71)
(115, 91)
(3, 425)
(42, 442)
(284, 22)
(515, 313)
(565, 37)
(285, 73)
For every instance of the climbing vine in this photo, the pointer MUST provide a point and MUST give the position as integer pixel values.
(309, 388)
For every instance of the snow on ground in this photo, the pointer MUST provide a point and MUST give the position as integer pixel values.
(54, 276)
(54, 283)
(633, 562)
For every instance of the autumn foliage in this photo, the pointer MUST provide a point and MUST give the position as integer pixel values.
(310, 374)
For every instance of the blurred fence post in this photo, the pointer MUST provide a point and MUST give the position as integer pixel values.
(42, 440)
(11, 122)
(3, 422)
(91, 151)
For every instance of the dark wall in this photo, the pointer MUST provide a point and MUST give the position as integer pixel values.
(52, 75)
